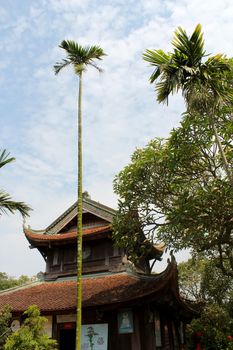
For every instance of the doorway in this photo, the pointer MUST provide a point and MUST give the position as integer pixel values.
(67, 339)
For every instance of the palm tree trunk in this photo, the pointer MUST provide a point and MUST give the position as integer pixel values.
(222, 153)
(79, 219)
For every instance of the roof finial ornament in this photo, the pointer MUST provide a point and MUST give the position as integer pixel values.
(173, 259)
(25, 223)
(86, 195)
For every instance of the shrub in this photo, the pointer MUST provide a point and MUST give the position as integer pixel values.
(31, 335)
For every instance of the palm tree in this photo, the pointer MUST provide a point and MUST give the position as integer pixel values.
(6, 203)
(205, 85)
(80, 58)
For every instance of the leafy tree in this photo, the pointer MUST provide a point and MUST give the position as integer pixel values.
(80, 58)
(205, 84)
(6, 202)
(31, 334)
(213, 328)
(180, 195)
(5, 317)
(9, 282)
(201, 281)
(190, 279)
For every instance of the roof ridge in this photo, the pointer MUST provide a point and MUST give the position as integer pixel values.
(98, 204)
(60, 217)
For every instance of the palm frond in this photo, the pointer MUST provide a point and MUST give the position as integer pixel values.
(156, 73)
(164, 88)
(71, 47)
(60, 65)
(79, 56)
(158, 59)
(218, 63)
(181, 40)
(7, 204)
(94, 52)
(4, 158)
(192, 47)
(100, 70)
(197, 43)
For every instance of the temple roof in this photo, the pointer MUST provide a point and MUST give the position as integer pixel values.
(101, 290)
(37, 237)
(57, 231)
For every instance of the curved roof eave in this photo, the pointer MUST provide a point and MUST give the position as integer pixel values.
(41, 238)
(108, 291)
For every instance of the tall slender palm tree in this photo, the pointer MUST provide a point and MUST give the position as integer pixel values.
(205, 84)
(6, 203)
(80, 58)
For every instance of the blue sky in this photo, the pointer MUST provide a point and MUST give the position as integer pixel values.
(38, 109)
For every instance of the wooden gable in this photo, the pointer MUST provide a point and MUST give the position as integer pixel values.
(94, 215)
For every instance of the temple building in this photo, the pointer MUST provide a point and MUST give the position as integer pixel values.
(124, 307)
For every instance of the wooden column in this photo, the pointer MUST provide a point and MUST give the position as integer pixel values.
(175, 336)
(136, 339)
(167, 341)
(148, 334)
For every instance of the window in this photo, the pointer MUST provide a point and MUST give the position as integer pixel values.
(55, 257)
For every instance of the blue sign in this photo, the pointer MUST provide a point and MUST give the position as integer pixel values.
(125, 321)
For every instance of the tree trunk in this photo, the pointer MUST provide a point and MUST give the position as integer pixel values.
(223, 156)
(79, 225)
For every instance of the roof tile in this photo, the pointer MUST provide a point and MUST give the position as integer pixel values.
(108, 289)
(31, 236)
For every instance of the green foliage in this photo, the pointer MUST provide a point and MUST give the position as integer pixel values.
(190, 279)
(5, 158)
(9, 282)
(5, 317)
(31, 334)
(79, 57)
(206, 85)
(180, 192)
(126, 225)
(216, 287)
(213, 329)
(201, 281)
(203, 82)
(6, 203)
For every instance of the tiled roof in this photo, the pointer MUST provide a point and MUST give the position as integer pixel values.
(34, 236)
(104, 290)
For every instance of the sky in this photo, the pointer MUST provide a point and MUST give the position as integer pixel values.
(38, 110)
